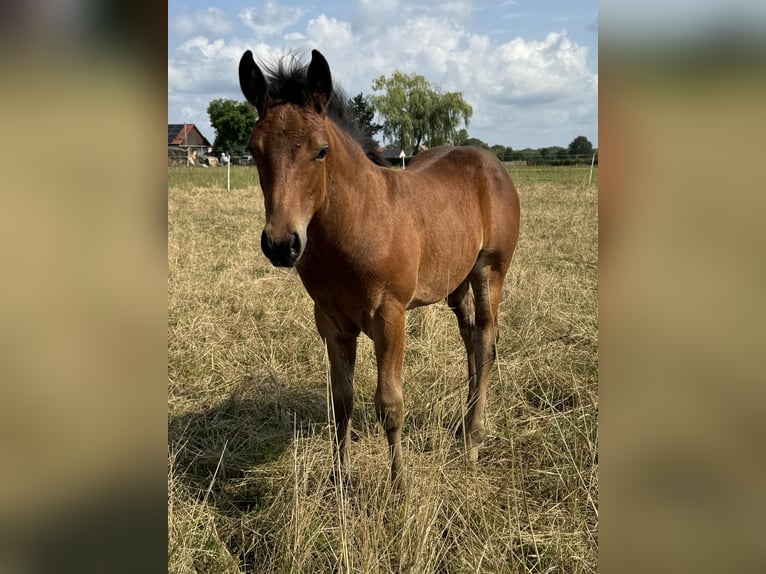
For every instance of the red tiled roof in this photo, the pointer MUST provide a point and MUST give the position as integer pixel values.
(176, 134)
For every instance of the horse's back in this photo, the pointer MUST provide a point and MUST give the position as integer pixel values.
(468, 166)
(485, 181)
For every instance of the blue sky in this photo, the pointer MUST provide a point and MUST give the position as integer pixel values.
(528, 68)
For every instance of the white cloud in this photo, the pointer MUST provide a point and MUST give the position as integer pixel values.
(212, 22)
(534, 71)
(200, 66)
(373, 17)
(329, 33)
(377, 7)
(536, 86)
(189, 112)
(522, 91)
(456, 9)
(270, 19)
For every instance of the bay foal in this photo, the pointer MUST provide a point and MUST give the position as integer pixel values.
(370, 242)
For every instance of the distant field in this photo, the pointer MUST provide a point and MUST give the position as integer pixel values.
(246, 176)
(568, 175)
(248, 439)
(188, 177)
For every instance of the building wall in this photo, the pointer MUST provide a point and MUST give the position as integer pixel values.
(194, 138)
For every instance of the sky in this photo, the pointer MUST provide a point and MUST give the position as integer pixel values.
(528, 68)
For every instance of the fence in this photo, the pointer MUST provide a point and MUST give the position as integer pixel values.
(570, 175)
(243, 177)
(180, 155)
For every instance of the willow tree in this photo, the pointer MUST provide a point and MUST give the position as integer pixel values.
(414, 111)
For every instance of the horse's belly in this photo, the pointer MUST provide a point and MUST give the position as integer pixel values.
(438, 278)
(417, 302)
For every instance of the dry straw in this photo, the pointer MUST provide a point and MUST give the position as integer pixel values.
(249, 434)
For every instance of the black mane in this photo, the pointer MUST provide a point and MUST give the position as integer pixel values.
(287, 83)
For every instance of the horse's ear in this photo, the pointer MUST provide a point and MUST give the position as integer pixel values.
(252, 82)
(319, 80)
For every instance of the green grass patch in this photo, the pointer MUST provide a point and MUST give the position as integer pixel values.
(572, 176)
(190, 177)
(246, 177)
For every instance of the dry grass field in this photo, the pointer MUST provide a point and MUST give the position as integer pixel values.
(249, 448)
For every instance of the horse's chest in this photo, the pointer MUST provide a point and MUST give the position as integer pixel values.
(335, 293)
(341, 294)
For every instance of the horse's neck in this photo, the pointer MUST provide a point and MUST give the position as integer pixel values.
(349, 175)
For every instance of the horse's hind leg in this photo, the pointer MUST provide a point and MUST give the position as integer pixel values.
(462, 304)
(487, 285)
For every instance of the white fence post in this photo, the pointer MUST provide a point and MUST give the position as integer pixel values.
(592, 161)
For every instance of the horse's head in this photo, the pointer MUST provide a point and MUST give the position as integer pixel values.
(289, 143)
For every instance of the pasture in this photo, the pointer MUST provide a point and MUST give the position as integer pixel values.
(249, 447)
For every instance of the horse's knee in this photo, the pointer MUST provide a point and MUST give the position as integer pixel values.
(343, 392)
(390, 412)
(342, 400)
(390, 417)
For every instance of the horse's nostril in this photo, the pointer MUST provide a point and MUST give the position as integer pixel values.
(284, 252)
(295, 244)
(265, 244)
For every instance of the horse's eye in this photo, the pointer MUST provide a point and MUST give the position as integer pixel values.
(322, 153)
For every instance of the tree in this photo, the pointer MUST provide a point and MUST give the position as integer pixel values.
(476, 142)
(415, 112)
(580, 146)
(364, 112)
(461, 137)
(233, 123)
(498, 150)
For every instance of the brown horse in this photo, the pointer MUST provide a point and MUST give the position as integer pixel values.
(370, 242)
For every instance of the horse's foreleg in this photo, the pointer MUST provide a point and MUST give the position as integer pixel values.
(388, 336)
(341, 351)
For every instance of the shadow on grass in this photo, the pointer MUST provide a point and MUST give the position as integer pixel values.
(218, 452)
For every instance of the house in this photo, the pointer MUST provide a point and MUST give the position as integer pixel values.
(394, 155)
(186, 143)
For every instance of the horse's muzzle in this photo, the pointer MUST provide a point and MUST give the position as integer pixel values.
(283, 253)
